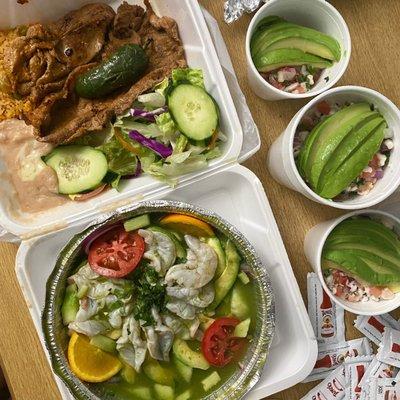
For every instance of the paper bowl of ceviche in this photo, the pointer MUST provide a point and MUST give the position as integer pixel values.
(357, 258)
(161, 300)
(296, 52)
(341, 149)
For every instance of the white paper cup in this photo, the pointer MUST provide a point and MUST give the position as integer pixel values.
(282, 166)
(317, 14)
(314, 243)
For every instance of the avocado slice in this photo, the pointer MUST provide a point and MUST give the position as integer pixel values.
(367, 226)
(349, 145)
(227, 279)
(334, 129)
(357, 268)
(360, 237)
(324, 45)
(271, 60)
(327, 124)
(352, 167)
(369, 248)
(70, 305)
(258, 38)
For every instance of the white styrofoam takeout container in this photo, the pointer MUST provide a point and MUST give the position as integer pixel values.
(317, 14)
(237, 195)
(200, 53)
(282, 165)
(314, 244)
(226, 188)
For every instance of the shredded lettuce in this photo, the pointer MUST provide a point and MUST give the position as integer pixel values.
(191, 75)
(120, 161)
(152, 100)
(166, 124)
(162, 87)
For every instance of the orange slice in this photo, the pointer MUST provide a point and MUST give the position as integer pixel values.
(187, 225)
(89, 363)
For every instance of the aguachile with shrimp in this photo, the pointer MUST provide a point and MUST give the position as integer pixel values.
(159, 307)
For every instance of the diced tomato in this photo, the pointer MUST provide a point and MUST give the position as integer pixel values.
(324, 107)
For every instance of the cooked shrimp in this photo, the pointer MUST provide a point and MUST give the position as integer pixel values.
(199, 268)
(160, 250)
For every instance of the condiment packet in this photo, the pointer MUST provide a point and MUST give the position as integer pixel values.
(384, 389)
(378, 369)
(389, 349)
(373, 327)
(326, 317)
(331, 388)
(330, 356)
(355, 368)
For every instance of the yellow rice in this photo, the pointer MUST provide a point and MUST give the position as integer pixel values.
(10, 107)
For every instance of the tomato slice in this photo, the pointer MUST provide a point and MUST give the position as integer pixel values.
(116, 253)
(219, 346)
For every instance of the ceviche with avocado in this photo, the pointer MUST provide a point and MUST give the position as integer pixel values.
(292, 57)
(361, 260)
(342, 150)
(160, 307)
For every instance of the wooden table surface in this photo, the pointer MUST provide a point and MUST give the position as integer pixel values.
(375, 63)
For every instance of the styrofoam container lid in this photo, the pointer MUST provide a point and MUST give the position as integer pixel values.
(200, 53)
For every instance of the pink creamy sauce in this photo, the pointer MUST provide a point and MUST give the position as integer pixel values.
(35, 183)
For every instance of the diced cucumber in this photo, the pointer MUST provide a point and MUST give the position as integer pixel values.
(128, 374)
(211, 380)
(157, 373)
(186, 395)
(180, 250)
(184, 370)
(136, 223)
(164, 392)
(225, 282)
(240, 307)
(141, 393)
(70, 305)
(194, 111)
(244, 277)
(242, 329)
(78, 168)
(216, 245)
(114, 334)
(104, 343)
(188, 356)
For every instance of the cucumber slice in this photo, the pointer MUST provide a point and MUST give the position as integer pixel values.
(78, 168)
(70, 305)
(210, 381)
(194, 111)
(186, 395)
(157, 373)
(240, 306)
(216, 245)
(128, 374)
(184, 370)
(188, 356)
(242, 329)
(180, 250)
(136, 223)
(244, 278)
(103, 343)
(164, 392)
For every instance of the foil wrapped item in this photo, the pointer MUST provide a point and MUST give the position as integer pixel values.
(234, 9)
